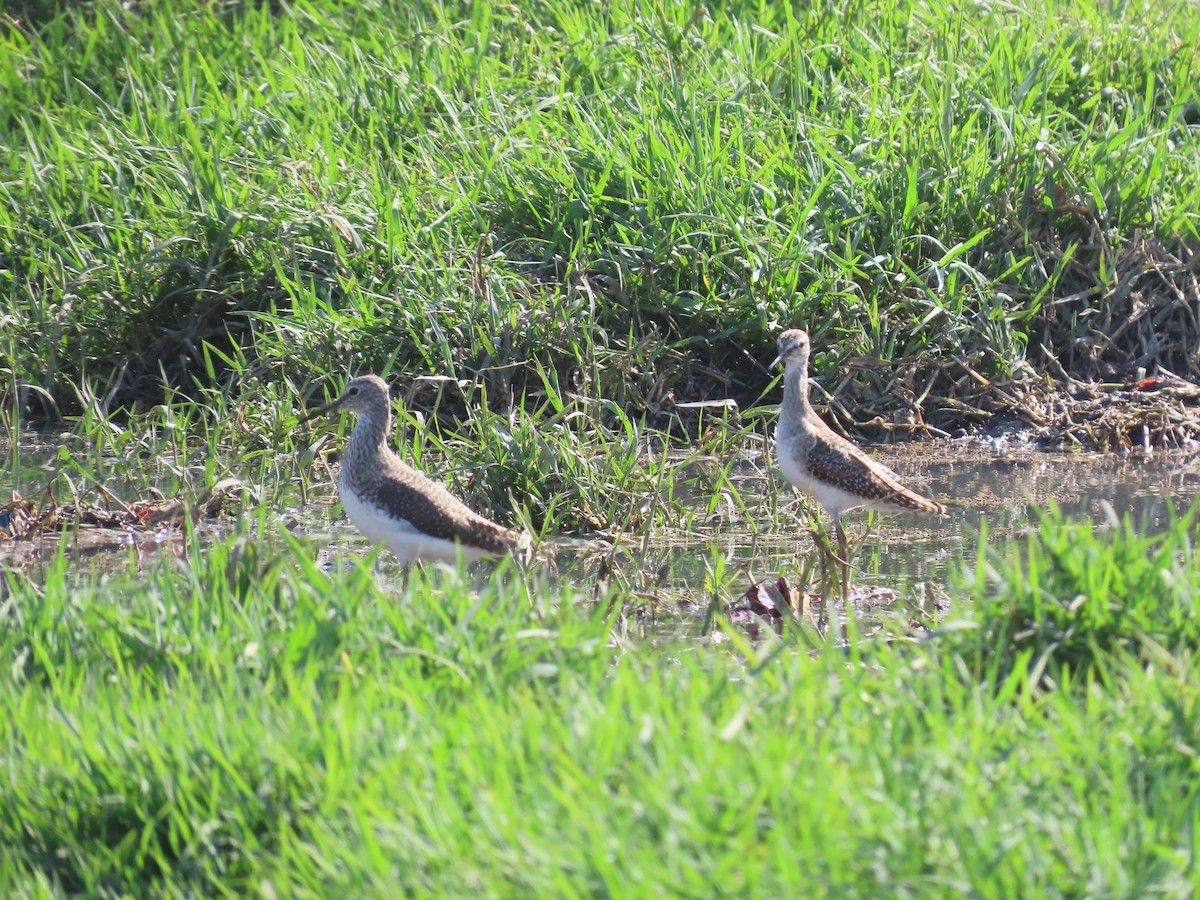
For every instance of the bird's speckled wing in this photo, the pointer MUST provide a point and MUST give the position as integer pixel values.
(835, 461)
(431, 509)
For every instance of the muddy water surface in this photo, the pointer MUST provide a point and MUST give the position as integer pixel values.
(995, 483)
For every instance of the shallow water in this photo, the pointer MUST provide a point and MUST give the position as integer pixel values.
(1006, 488)
(995, 483)
(1000, 486)
(43, 458)
(58, 468)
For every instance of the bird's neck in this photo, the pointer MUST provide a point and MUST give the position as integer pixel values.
(370, 435)
(795, 407)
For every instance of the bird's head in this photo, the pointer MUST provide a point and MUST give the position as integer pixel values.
(793, 348)
(366, 394)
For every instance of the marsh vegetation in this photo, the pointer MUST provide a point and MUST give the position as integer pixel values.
(568, 233)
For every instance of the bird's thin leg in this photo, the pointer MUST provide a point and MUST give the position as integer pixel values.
(845, 558)
(819, 545)
(826, 556)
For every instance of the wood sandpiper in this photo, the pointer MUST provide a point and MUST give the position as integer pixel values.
(825, 465)
(392, 503)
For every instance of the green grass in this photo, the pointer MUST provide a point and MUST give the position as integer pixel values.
(636, 198)
(241, 718)
(1073, 599)
(548, 224)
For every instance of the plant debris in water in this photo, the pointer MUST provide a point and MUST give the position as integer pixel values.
(22, 519)
(109, 522)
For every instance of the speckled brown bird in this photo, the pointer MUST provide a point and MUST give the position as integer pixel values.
(823, 464)
(392, 503)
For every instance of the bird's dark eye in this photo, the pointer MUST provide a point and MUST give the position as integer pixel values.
(352, 392)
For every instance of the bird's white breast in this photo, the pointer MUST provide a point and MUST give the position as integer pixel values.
(399, 535)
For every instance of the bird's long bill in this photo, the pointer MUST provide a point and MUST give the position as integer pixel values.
(316, 414)
(778, 360)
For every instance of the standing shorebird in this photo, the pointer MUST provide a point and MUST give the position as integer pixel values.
(823, 464)
(392, 503)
